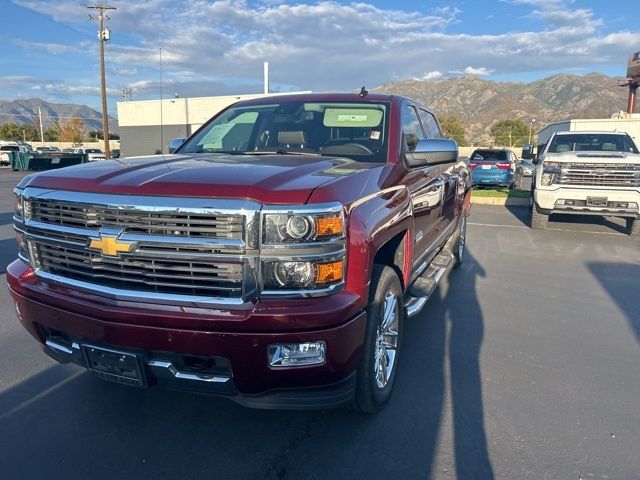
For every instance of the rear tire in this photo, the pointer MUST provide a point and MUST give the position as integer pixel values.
(538, 220)
(461, 242)
(383, 339)
(633, 226)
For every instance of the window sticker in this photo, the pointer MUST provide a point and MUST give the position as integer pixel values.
(217, 133)
(374, 135)
(352, 117)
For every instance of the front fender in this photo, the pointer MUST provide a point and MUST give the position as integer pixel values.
(373, 221)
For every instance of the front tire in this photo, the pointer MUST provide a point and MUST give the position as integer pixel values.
(633, 226)
(383, 337)
(538, 220)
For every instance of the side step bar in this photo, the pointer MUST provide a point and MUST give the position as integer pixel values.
(424, 286)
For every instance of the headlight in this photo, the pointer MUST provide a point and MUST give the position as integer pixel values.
(294, 275)
(550, 173)
(302, 227)
(17, 205)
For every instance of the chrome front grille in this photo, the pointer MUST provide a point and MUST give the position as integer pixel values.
(173, 276)
(600, 174)
(179, 249)
(178, 223)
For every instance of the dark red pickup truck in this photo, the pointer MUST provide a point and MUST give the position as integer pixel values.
(272, 258)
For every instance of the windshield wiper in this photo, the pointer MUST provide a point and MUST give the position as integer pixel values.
(280, 151)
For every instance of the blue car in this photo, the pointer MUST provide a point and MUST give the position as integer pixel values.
(492, 167)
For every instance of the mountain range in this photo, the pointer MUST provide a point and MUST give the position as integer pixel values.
(478, 102)
(26, 112)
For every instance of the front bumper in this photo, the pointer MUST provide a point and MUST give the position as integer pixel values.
(574, 201)
(240, 357)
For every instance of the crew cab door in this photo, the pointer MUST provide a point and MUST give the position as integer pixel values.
(426, 186)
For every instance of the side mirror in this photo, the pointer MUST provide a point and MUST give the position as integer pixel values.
(527, 152)
(433, 152)
(175, 143)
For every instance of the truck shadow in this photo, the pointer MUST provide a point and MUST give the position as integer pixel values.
(616, 279)
(452, 330)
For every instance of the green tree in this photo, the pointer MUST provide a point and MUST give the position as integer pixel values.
(18, 132)
(453, 128)
(51, 135)
(510, 133)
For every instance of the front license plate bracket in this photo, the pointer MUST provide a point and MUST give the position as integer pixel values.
(115, 366)
(597, 201)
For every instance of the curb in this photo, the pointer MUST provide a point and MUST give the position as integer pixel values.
(516, 202)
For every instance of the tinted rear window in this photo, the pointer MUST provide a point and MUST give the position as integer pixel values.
(489, 156)
(10, 148)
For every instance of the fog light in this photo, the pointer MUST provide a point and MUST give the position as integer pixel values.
(296, 354)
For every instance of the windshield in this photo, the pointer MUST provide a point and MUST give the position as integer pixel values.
(92, 150)
(590, 142)
(354, 130)
(489, 155)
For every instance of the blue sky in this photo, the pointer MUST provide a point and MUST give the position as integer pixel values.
(49, 48)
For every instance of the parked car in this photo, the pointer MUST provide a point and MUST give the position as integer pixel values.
(44, 149)
(492, 167)
(272, 260)
(524, 168)
(115, 153)
(67, 150)
(93, 154)
(588, 173)
(6, 147)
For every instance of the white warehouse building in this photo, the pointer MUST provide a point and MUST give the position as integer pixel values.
(147, 126)
(619, 122)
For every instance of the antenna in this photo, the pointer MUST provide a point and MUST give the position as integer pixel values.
(161, 123)
(363, 92)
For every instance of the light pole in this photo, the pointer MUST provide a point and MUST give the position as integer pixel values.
(533, 120)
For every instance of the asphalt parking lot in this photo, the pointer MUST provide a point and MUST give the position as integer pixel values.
(523, 365)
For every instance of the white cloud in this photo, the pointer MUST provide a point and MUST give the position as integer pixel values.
(329, 45)
(434, 75)
(53, 48)
(481, 71)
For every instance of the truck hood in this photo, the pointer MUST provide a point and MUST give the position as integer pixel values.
(595, 157)
(278, 179)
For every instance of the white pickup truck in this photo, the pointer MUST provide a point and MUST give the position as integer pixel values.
(587, 173)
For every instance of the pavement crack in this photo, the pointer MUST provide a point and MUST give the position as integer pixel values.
(277, 469)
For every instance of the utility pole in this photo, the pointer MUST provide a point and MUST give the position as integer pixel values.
(103, 36)
(41, 129)
(533, 120)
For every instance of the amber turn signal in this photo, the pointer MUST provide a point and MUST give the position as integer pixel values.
(329, 272)
(329, 226)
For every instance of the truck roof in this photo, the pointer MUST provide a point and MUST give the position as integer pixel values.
(321, 97)
(591, 132)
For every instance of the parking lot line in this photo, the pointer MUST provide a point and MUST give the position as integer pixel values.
(524, 227)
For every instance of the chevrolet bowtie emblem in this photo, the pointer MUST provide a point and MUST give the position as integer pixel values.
(110, 245)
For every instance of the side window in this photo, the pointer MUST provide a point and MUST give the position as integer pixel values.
(430, 125)
(411, 129)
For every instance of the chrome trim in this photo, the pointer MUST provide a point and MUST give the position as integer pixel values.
(149, 203)
(306, 257)
(57, 346)
(311, 293)
(415, 305)
(135, 295)
(174, 372)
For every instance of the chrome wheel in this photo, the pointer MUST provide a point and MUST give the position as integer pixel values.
(386, 340)
(461, 239)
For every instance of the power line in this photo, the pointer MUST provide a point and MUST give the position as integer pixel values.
(103, 36)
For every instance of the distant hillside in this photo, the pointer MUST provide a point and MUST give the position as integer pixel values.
(479, 102)
(26, 111)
